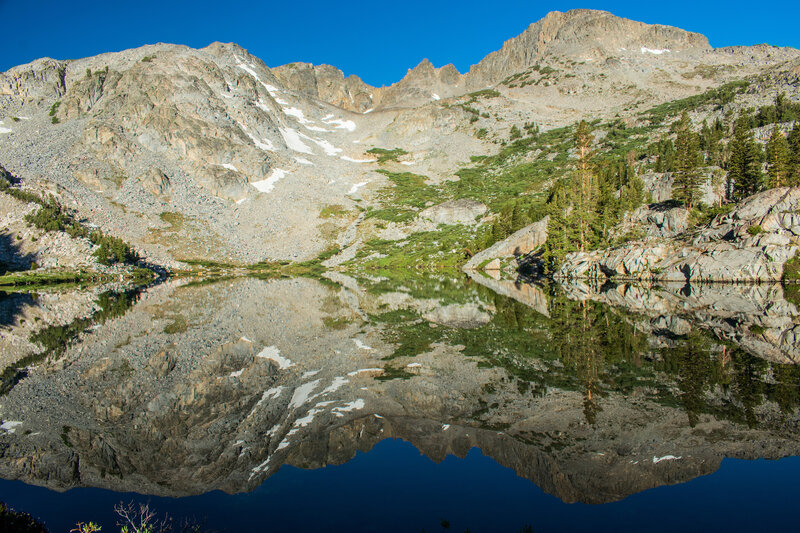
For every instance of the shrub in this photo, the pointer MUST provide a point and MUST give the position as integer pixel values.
(755, 229)
(385, 155)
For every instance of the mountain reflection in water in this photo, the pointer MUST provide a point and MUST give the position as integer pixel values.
(593, 394)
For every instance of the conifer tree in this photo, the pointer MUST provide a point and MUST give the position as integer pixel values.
(777, 159)
(586, 187)
(744, 167)
(794, 156)
(686, 179)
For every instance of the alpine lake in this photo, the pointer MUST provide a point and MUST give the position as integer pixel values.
(406, 402)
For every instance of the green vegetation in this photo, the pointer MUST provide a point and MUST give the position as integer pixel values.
(718, 97)
(53, 111)
(791, 269)
(51, 216)
(755, 229)
(55, 340)
(385, 155)
(148, 59)
(333, 211)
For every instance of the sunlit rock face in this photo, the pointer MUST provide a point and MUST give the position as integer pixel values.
(186, 388)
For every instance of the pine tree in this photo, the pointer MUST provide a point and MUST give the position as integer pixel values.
(586, 186)
(777, 159)
(515, 133)
(686, 179)
(744, 167)
(794, 156)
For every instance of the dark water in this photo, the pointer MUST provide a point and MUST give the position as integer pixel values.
(394, 488)
(410, 404)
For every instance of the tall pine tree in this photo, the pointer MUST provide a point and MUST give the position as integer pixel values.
(794, 156)
(778, 159)
(686, 178)
(587, 186)
(744, 167)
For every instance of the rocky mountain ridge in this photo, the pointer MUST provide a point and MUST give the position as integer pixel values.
(211, 154)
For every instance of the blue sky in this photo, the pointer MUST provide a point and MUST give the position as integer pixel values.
(378, 41)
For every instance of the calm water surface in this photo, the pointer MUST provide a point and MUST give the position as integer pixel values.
(404, 404)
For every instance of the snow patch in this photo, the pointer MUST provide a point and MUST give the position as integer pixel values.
(665, 458)
(4, 130)
(309, 374)
(306, 420)
(293, 140)
(245, 339)
(361, 345)
(239, 202)
(408, 163)
(225, 95)
(317, 128)
(445, 427)
(303, 161)
(237, 373)
(296, 113)
(268, 184)
(349, 406)
(345, 158)
(657, 52)
(364, 371)
(273, 354)
(435, 96)
(355, 187)
(10, 426)
(303, 393)
(339, 123)
(229, 167)
(335, 385)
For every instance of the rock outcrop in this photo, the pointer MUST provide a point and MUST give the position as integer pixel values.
(518, 244)
(752, 243)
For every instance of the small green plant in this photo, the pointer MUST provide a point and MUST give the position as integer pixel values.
(53, 111)
(148, 59)
(385, 155)
(755, 229)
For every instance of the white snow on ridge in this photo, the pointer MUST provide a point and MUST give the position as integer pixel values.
(4, 130)
(317, 128)
(657, 52)
(355, 187)
(229, 167)
(345, 158)
(273, 354)
(303, 161)
(342, 124)
(436, 96)
(294, 142)
(407, 163)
